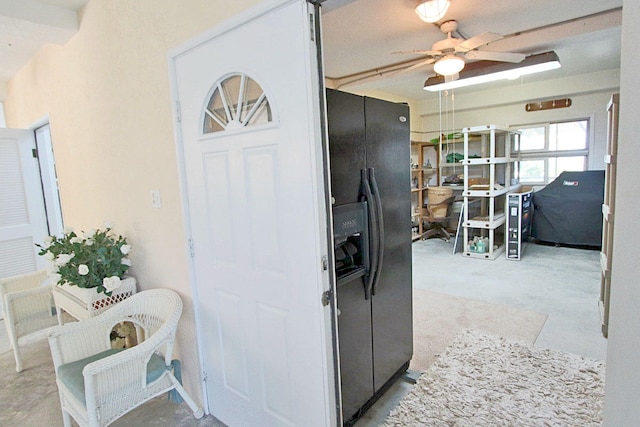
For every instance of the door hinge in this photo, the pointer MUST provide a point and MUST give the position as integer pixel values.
(327, 296)
(325, 263)
(191, 249)
(178, 112)
(34, 153)
(312, 25)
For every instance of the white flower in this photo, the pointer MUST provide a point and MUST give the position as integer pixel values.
(68, 230)
(46, 242)
(111, 283)
(63, 259)
(88, 242)
(83, 270)
(48, 256)
(55, 277)
(125, 261)
(125, 249)
(108, 224)
(90, 233)
(76, 240)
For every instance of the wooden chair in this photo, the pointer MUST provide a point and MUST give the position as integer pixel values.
(28, 307)
(437, 216)
(98, 384)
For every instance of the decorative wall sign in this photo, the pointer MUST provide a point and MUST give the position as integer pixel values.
(548, 105)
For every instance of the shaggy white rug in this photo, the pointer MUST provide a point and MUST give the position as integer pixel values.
(481, 380)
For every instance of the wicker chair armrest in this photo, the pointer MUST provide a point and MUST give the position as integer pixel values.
(34, 301)
(141, 352)
(122, 373)
(22, 282)
(78, 340)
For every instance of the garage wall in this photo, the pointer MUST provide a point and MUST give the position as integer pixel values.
(107, 95)
(589, 94)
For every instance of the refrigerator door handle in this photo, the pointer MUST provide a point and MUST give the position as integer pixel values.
(373, 232)
(380, 225)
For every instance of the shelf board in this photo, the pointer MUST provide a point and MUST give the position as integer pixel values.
(488, 161)
(415, 190)
(486, 255)
(483, 221)
(487, 193)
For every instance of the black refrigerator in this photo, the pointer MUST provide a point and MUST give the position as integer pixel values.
(369, 150)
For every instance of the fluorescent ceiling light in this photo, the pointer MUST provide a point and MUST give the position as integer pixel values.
(448, 65)
(489, 71)
(433, 10)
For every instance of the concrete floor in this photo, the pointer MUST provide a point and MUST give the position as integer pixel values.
(561, 282)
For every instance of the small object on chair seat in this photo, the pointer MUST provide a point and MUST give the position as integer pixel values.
(71, 373)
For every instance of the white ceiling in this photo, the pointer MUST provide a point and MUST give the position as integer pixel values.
(360, 36)
(27, 25)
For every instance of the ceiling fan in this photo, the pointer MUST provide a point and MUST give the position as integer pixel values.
(448, 55)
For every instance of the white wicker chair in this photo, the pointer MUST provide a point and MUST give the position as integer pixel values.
(28, 307)
(96, 384)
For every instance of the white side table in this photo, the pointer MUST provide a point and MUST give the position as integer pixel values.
(83, 303)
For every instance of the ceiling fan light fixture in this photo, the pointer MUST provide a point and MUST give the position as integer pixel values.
(432, 10)
(448, 65)
(487, 71)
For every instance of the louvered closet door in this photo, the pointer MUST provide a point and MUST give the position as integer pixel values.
(22, 215)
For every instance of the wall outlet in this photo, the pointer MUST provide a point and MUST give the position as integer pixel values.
(156, 201)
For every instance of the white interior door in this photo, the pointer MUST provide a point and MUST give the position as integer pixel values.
(249, 132)
(23, 222)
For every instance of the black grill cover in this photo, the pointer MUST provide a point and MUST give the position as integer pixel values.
(569, 209)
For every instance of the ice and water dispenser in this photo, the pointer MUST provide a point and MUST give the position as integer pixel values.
(351, 239)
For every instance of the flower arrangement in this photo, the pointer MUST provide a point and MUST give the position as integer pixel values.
(92, 259)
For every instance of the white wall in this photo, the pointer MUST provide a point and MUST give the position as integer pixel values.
(622, 406)
(106, 93)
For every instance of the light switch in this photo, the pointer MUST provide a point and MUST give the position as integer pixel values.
(156, 201)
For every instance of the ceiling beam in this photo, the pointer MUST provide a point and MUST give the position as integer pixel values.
(544, 36)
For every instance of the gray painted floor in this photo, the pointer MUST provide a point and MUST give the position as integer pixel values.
(561, 282)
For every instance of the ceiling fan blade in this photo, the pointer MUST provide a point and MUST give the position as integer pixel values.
(477, 41)
(412, 67)
(420, 52)
(495, 56)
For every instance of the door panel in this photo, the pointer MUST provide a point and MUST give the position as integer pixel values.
(257, 217)
(22, 217)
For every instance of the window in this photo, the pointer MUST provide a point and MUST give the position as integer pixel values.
(237, 101)
(547, 150)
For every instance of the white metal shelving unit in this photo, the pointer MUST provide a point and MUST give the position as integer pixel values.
(488, 178)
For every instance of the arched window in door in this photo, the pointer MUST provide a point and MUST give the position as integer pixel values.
(237, 101)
